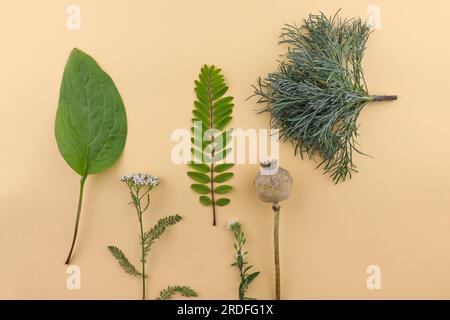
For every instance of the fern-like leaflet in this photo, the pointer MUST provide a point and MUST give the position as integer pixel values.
(126, 265)
(157, 231)
(210, 141)
(185, 291)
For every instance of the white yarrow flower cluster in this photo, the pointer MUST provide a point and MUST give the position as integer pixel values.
(140, 179)
(231, 224)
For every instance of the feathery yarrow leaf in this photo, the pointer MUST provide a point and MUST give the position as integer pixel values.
(185, 291)
(126, 265)
(157, 231)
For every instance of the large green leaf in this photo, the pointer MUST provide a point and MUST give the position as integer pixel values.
(91, 124)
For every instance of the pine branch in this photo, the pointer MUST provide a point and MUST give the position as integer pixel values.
(319, 90)
(185, 291)
(157, 231)
(212, 113)
(123, 261)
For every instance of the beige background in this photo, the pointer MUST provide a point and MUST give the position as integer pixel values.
(394, 214)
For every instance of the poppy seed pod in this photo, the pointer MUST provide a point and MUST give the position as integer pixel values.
(273, 183)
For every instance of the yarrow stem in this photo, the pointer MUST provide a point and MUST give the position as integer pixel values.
(142, 251)
(140, 184)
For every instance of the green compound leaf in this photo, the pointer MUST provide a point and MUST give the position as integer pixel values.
(91, 124)
(210, 139)
(199, 177)
(223, 177)
(200, 188)
(205, 200)
(223, 189)
(222, 202)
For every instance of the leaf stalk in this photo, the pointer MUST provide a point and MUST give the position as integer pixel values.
(77, 222)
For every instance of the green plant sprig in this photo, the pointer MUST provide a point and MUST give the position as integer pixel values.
(210, 141)
(319, 90)
(140, 185)
(241, 263)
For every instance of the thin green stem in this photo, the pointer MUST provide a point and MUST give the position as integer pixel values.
(240, 263)
(139, 211)
(77, 222)
(142, 254)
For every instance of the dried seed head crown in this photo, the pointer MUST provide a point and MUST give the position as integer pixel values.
(271, 163)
